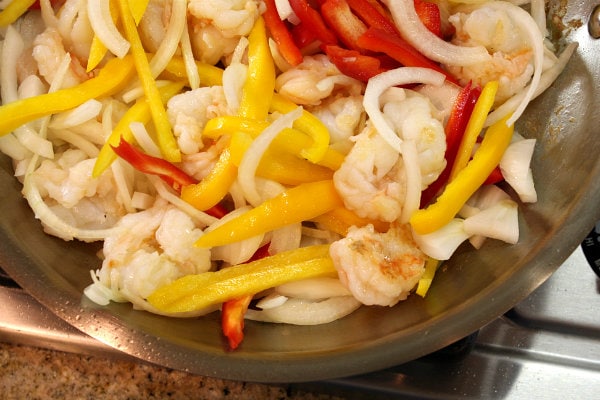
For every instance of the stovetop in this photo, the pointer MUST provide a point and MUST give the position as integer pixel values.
(548, 346)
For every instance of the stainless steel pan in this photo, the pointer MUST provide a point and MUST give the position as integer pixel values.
(472, 289)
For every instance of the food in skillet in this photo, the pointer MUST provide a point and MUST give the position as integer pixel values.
(282, 161)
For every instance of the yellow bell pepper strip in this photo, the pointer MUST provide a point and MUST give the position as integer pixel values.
(308, 124)
(165, 137)
(457, 192)
(339, 220)
(14, 10)
(297, 204)
(97, 52)
(139, 112)
(138, 8)
(431, 266)
(289, 140)
(260, 82)
(209, 74)
(278, 165)
(211, 190)
(111, 79)
(484, 104)
(195, 292)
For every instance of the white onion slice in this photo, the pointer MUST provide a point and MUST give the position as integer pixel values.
(412, 199)
(306, 312)
(536, 39)
(413, 31)
(189, 62)
(313, 288)
(395, 77)
(515, 167)
(80, 114)
(500, 221)
(442, 243)
(170, 42)
(547, 78)
(105, 29)
(252, 157)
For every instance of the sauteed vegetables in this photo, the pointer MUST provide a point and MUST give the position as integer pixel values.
(284, 161)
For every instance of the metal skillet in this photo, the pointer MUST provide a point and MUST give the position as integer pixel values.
(472, 289)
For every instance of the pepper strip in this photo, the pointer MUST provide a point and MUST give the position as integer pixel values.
(110, 80)
(166, 139)
(195, 292)
(14, 10)
(139, 112)
(211, 190)
(289, 140)
(431, 267)
(260, 82)
(308, 124)
(281, 35)
(457, 192)
(209, 74)
(297, 204)
(484, 104)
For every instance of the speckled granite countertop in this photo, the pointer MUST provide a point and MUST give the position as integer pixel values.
(33, 373)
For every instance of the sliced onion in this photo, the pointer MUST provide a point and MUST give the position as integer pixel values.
(395, 77)
(84, 112)
(547, 78)
(306, 312)
(189, 61)
(500, 221)
(313, 289)
(142, 137)
(123, 183)
(442, 243)
(536, 39)
(515, 167)
(252, 156)
(105, 29)
(170, 42)
(413, 31)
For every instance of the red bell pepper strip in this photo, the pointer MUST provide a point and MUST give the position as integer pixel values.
(232, 311)
(455, 128)
(354, 64)
(495, 177)
(374, 15)
(429, 14)
(313, 21)
(375, 39)
(168, 172)
(281, 35)
(347, 26)
(302, 35)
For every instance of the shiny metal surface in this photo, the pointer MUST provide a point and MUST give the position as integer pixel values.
(472, 290)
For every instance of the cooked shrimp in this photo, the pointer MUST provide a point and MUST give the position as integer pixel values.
(217, 25)
(378, 268)
(188, 113)
(153, 24)
(150, 249)
(65, 184)
(314, 80)
(510, 55)
(48, 51)
(371, 180)
(342, 115)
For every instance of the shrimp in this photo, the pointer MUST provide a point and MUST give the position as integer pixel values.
(153, 24)
(49, 51)
(371, 180)
(217, 26)
(151, 248)
(314, 80)
(343, 116)
(188, 113)
(510, 59)
(378, 268)
(65, 184)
